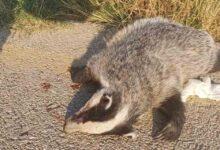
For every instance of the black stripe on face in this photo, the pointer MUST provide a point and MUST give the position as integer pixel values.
(121, 129)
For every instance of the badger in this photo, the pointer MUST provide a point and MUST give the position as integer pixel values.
(143, 65)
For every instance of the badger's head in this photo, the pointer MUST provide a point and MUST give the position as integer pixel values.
(103, 113)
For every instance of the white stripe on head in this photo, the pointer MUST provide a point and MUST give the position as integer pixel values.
(95, 100)
(99, 127)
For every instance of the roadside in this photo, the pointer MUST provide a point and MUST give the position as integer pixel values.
(35, 90)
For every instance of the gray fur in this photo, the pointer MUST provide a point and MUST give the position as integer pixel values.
(149, 61)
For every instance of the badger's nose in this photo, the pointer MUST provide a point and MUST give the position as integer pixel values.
(64, 127)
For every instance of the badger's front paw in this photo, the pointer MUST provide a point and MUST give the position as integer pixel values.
(170, 132)
(132, 135)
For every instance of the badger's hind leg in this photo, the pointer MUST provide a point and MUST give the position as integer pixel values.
(173, 110)
(132, 135)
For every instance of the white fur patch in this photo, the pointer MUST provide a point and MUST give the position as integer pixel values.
(202, 89)
(95, 100)
(98, 127)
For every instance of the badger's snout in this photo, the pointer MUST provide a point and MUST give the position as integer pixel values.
(80, 118)
(73, 123)
(68, 126)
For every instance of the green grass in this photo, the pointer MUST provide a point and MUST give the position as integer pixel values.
(46, 9)
(23, 13)
(32, 15)
(201, 14)
(7, 11)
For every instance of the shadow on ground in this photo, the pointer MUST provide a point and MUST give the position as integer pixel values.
(7, 17)
(86, 91)
(96, 46)
(54, 10)
(80, 98)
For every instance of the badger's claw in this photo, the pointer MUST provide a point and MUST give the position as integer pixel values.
(170, 132)
(132, 135)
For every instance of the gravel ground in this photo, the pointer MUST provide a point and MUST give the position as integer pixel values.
(36, 93)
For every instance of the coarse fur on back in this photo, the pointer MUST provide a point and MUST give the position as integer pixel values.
(144, 65)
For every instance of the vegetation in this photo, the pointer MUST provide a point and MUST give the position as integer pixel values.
(22, 12)
(202, 14)
(7, 11)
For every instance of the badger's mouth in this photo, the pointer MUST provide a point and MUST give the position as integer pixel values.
(82, 118)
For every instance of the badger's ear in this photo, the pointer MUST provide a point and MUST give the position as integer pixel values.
(106, 101)
(97, 105)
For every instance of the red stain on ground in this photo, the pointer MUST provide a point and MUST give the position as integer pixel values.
(46, 86)
(75, 86)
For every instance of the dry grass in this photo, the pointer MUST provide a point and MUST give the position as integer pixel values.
(202, 14)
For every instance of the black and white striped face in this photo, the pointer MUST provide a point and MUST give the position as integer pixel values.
(103, 113)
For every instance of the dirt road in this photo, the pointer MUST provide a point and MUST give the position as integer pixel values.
(36, 90)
